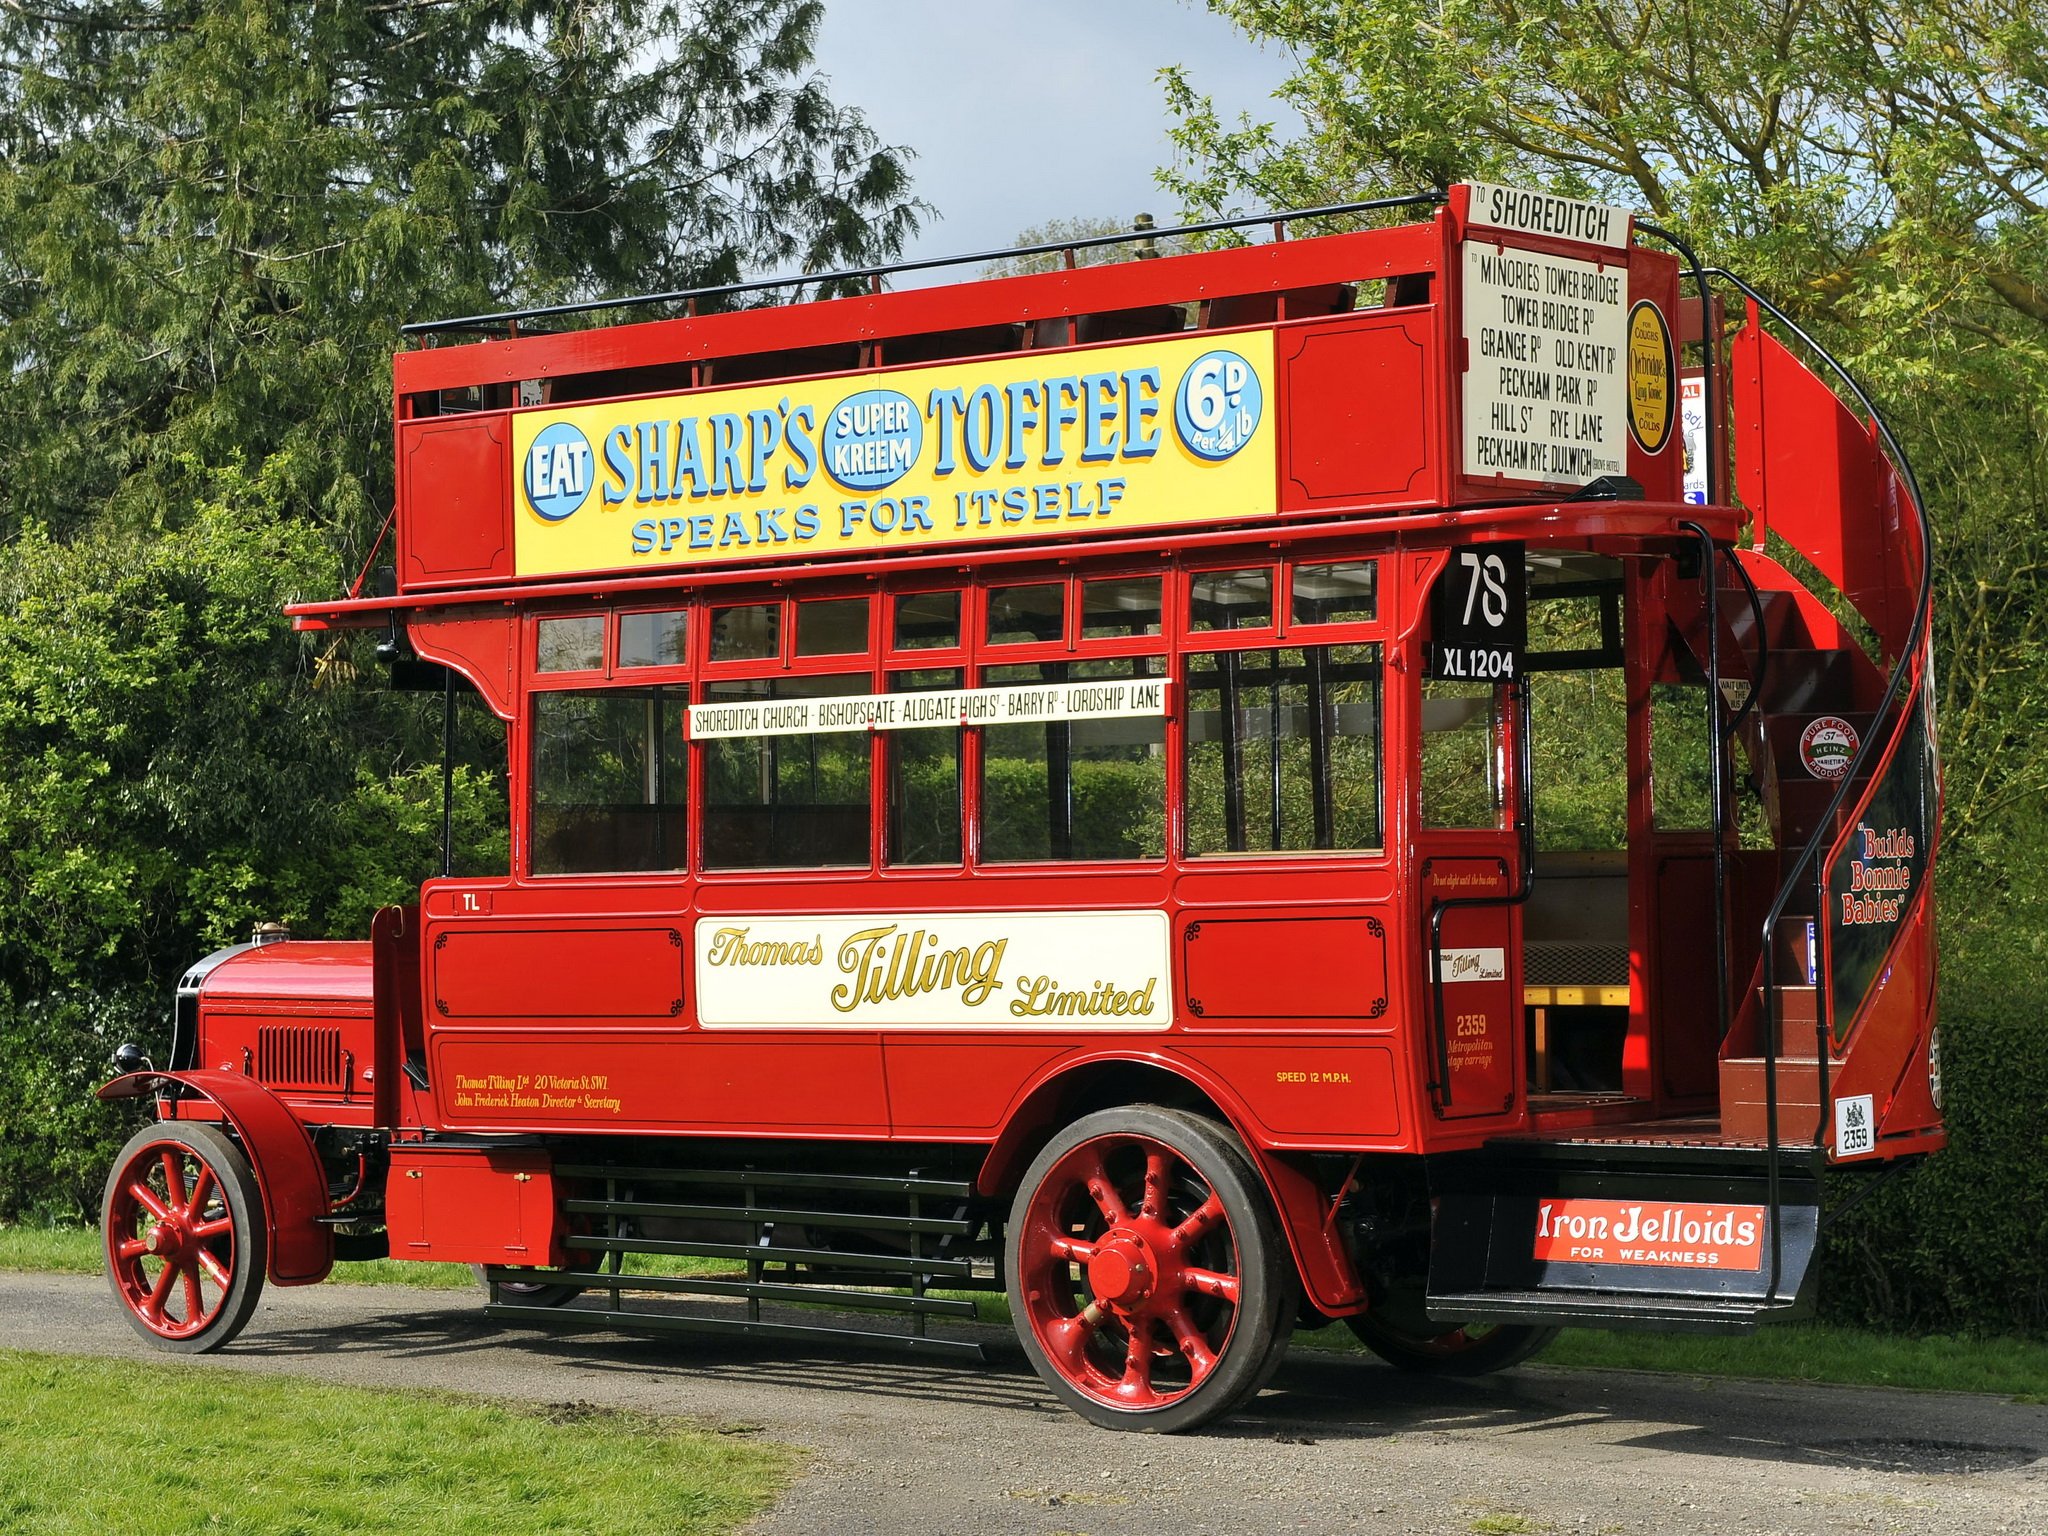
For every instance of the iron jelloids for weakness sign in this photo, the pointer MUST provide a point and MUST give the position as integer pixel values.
(1114, 439)
(1545, 394)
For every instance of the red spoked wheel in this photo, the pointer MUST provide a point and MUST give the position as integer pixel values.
(1473, 1350)
(182, 1223)
(1146, 1272)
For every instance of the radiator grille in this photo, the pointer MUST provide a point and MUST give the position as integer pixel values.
(299, 1056)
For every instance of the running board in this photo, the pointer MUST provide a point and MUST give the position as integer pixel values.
(1610, 1309)
(605, 1319)
(761, 1236)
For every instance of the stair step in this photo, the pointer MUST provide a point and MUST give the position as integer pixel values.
(1611, 1309)
(1783, 625)
(1798, 797)
(1805, 682)
(1744, 1115)
(1797, 1012)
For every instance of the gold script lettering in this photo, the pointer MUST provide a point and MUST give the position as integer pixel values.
(886, 964)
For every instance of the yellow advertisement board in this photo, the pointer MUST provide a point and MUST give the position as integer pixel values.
(1122, 439)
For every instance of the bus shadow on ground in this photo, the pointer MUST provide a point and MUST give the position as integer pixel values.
(1327, 1396)
(1317, 1396)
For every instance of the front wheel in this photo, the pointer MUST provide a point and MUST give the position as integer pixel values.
(1474, 1350)
(1148, 1280)
(182, 1223)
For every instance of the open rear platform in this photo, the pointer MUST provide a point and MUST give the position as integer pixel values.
(1679, 1131)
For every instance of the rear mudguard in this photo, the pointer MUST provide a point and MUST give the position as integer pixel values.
(287, 1169)
(1307, 1214)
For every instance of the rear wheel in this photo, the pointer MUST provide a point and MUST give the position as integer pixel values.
(1148, 1279)
(182, 1223)
(529, 1292)
(1469, 1351)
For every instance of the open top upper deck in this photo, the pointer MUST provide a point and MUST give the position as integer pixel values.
(1511, 348)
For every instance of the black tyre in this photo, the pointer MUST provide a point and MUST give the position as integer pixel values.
(186, 1244)
(1469, 1351)
(529, 1291)
(1148, 1279)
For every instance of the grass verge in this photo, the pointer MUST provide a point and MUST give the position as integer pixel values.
(89, 1446)
(1822, 1353)
(76, 1251)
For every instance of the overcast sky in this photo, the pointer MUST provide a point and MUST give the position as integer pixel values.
(1026, 110)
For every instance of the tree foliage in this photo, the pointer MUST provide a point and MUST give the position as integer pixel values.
(215, 214)
(1882, 171)
(214, 217)
(1055, 230)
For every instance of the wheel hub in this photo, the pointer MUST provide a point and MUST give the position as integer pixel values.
(166, 1240)
(1123, 1270)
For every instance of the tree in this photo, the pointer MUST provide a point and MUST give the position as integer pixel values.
(215, 214)
(1054, 230)
(1882, 170)
(214, 217)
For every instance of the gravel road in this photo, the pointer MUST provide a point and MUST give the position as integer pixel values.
(1336, 1444)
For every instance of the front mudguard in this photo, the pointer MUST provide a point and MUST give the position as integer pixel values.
(280, 1153)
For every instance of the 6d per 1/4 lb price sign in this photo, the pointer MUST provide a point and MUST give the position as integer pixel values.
(1545, 388)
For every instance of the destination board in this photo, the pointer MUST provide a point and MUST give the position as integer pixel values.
(1545, 395)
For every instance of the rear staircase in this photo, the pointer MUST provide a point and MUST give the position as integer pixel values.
(1824, 707)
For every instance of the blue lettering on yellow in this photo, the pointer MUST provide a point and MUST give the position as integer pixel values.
(618, 465)
(689, 459)
(1138, 409)
(799, 434)
(764, 433)
(945, 408)
(653, 438)
(1062, 409)
(1024, 399)
(727, 473)
(981, 426)
(1099, 437)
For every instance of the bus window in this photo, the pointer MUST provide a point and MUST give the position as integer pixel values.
(835, 626)
(1283, 750)
(1231, 599)
(1022, 615)
(570, 645)
(1080, 789)
(924, 779)
(1462, 767)
(793, 801)
(928, 621)
(654, 639)
(1344, 593)
(1127, 605)
(609, 788)
(747, 632)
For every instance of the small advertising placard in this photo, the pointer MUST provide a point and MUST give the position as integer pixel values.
(1667, 1236)
(935, 970)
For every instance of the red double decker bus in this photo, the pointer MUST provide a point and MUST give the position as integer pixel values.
(1386, 776)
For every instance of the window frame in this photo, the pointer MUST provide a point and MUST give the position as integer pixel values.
(972, 657)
